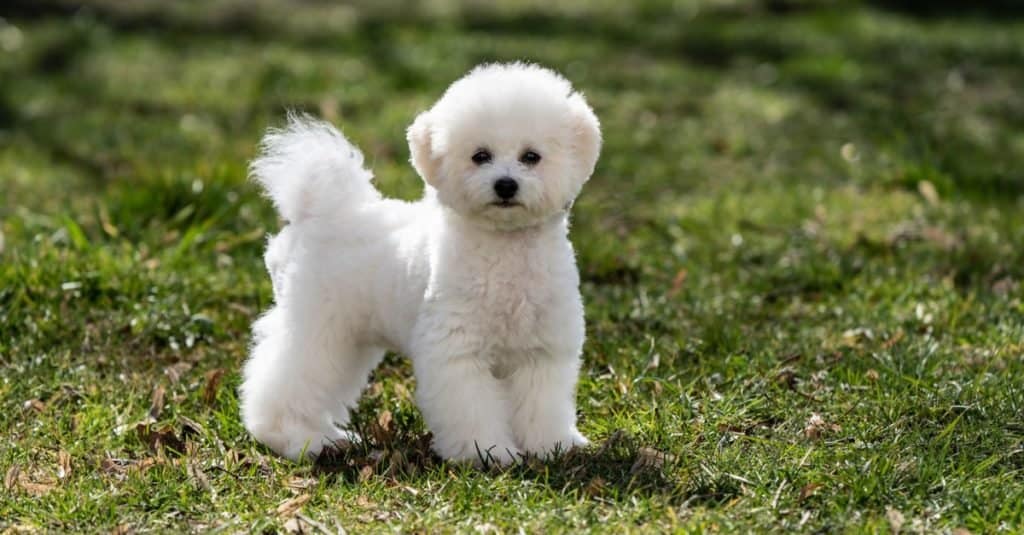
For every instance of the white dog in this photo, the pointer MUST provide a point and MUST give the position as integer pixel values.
(476, 282)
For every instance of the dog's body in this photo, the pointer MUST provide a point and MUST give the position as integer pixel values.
(480, 292)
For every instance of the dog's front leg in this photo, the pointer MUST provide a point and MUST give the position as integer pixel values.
(464, 406)
(543, 412)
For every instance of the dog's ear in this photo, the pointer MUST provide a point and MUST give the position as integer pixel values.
(586, 134)
(421, 148)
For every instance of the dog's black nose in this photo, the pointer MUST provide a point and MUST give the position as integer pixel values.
(506, 188)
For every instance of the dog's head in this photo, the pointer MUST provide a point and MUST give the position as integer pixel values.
(508, 145)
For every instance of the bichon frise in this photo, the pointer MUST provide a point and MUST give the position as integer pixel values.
(476, 282)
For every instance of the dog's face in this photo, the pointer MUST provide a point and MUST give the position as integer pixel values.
(507, 146)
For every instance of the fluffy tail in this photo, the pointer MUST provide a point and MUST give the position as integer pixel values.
(311, 171)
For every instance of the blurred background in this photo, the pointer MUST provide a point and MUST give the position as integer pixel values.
(694, 93)
(139, 116)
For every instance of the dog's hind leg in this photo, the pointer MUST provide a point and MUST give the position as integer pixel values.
(299, 383)
(363, 359)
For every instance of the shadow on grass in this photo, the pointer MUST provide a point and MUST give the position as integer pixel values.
(613, 470)
(990, 9)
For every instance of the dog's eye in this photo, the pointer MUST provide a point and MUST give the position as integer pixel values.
(530, 158)
(481, 157)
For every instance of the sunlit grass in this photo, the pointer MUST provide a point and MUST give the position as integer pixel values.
(801, 255)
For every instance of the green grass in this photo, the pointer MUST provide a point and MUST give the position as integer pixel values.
(802, 256)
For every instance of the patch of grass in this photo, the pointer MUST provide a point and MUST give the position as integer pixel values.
(802, 256)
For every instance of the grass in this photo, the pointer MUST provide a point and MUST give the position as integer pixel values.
(801, 254)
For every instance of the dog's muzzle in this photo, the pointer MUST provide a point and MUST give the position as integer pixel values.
(505, 188)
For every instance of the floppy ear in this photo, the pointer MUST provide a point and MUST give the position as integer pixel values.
(421, 148)
(586, 130)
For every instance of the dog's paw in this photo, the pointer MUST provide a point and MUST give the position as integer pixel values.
(296, 441)
(547, 447)
(497, 457)
(478, 456)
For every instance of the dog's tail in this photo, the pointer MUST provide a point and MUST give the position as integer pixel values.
(311, 171)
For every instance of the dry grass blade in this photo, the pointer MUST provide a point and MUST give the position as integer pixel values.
(298, 483)
(156, 403)
(928, 191)
(63, 465)
(895, 518)
(39, 485)
(11, 478)
(160, 439)
(650, 458)
(212, 386)
(291, 506)
(176, 370)
(808, 490)
(35, 405)
(816, 427)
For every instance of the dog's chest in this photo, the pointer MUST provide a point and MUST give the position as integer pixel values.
(511, 297)
(515, 293)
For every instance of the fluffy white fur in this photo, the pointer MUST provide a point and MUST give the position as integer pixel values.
(483, 298)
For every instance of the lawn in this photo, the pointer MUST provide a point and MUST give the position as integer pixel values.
(802, 256)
